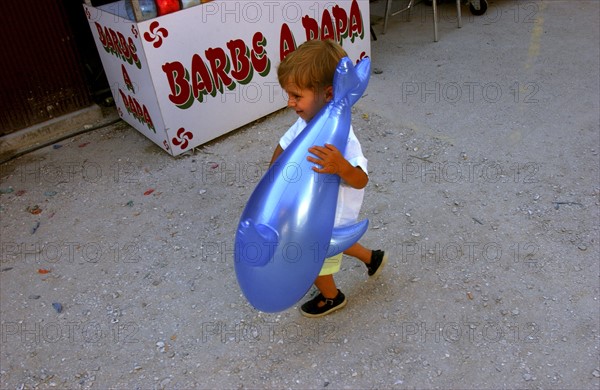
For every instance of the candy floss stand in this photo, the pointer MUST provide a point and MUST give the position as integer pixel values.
(190, 76)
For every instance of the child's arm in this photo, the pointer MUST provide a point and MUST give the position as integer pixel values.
(333, 162)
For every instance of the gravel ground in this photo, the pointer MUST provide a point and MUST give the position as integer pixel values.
(117, 259)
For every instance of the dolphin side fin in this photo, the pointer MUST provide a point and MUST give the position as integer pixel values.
(256, 243)
(344, 237)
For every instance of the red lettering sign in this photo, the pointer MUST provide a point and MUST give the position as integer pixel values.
(239, 53)
(202, 81)
(139, 111)
(356, 28)
(327, 31)
(287, 44)
(341, 22)
(127, 79)
(219, 66)
(222, 68)
(116, 44)
(260, 61)
(339, 27)
(180, 88)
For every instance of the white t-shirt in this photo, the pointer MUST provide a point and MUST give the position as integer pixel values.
(349, 199)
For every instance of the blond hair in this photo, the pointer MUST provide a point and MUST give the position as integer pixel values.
(312, 65)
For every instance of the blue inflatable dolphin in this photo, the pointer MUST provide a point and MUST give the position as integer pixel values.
(286, 229)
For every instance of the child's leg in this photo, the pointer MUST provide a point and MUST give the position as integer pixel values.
(360, 252)
(329, 300)
(374, 260)
(326, 286)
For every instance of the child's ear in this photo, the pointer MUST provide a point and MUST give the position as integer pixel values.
(328, 93)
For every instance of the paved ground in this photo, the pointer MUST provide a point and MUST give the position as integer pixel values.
(484, 188)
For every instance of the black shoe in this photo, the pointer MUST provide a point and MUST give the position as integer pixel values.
(311, 308)
(378, 260)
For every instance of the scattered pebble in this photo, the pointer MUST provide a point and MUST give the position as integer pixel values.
(162, 347)
(35, 210)
(57, 306)
(35, 227)
(50, 193)
(528, 377)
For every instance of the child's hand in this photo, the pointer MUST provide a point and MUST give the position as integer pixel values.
(329, 159)
(333, 162)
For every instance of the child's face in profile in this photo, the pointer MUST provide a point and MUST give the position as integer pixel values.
(305, 101)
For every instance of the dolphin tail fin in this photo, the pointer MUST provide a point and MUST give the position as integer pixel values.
(351, 81)
(344, 237)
